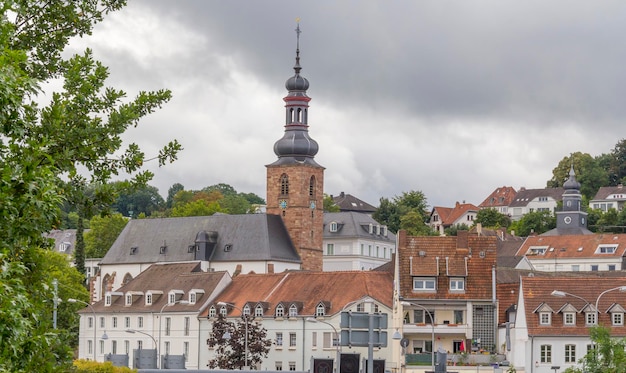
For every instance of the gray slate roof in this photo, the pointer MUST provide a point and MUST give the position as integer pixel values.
(604, 192)
(353, 225)
(524, 196)
(253, 237)
(348, 202)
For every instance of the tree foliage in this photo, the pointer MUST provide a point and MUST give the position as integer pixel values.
(142, 199)
(104, 231)
(77, 133)
(536, 222)
(492, 218)
(589, 173)
(408, 211)
(608, 356)
(329, 204)
(230, 353)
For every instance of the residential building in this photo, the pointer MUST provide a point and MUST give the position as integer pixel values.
(446, 292)
(355, 241)
(461, 214)
(349, 203)
(301, 312)
(550, 325)
(499, 199)
(531, 200)
(64, 242)
(611, 197)
(160, 307)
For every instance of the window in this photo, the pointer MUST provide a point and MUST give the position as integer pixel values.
(192, 297)
(279, 339)
(360, 307)
(537, 250)
(258, 311)
(171, 298)
(569, 318)
(617, 318)
(139, 345)
(362, 249)
(312, 186)
(314, 340)
(114, 347)
(329, 341)
(594, 267)
(126, 347)
(107, 300)
(246, 310)
(292, 366)
(546, 353)
(590, 318)
(330, 249)
(127, 322)
(90, 322)
(129, 299)
(186, 350)
(223, 311)
(333, 227)
(545, 318)
(284, 185)
(575, 268)
(90, 347)
(140, 322)
(570, 353)
(187, 322)
(320, 310)
(101, 347)
(606, 249)
(422, 317)
(148, 299)
(167, 348)
(424, 283)
(102, 324)
(280, 311)
(168, 325)
(279, 365)
(458, 316)
(293, 310)
(611, 267)
(457, 284)
(212, 312)
(292, 339)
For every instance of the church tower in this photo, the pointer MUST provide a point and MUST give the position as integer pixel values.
(571, 220)
(295, 182)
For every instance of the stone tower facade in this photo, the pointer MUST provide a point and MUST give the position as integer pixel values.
(295, 182)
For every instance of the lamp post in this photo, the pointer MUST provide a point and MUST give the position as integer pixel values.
(432, 324)
(133, 331)
(160, 314)
(72, 300)
(338, 347)
(245, 342)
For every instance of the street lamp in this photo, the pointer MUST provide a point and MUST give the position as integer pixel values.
(72, 300)
(338, 347)
(160, 314)
(133, 331)
(245, 343)
(432, 324)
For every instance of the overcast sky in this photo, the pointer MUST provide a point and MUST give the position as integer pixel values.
(451, 98)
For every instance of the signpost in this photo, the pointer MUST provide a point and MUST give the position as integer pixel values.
(361, 329)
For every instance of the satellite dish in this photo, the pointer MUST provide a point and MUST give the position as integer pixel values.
(404, 342)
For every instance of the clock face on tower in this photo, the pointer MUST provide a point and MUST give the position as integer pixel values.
(282, 204)
(312, 205)
(567, 220)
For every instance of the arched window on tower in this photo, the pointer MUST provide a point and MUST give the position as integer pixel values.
(305, 118)
(299, 118)
(312, 187)
(290, 118)
(284, 185)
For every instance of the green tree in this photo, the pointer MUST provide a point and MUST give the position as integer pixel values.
(230, 352)
(175, 188)
(492, 218)
(589, 173)
(617, 165)
(390, 213)
(104, 231)
(329, 204)
(141, 199)
(200, 207)
(454, 229)
(536, 222)
(609, 356)
(78, 132)
(413, 223)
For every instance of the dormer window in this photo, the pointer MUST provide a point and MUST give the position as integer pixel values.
(133, 250)
(258, 311)
(320, 310)
(280, 311)
(107, 300)
(617, 318)
(148, 299)
(293, 311)
(333, 226)
(64, 246)
(569, 318)
(192, 298)
(246, 310)
(212, 312)
(537, 250)
(223, 311)
(129, 299)
(171, 298)
(163, 250)
(545, 318)
(606, 249)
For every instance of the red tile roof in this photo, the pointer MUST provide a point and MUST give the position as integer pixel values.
(575, 246)
(537, 293)
(309, 289)
(502, 196)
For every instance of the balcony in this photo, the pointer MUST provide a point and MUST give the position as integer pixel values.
(439, 329)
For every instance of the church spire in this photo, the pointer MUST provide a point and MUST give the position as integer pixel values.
(296, 145)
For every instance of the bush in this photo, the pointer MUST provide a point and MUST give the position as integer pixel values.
(88, 366)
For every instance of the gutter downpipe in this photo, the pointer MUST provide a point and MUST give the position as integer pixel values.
(303, 341)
